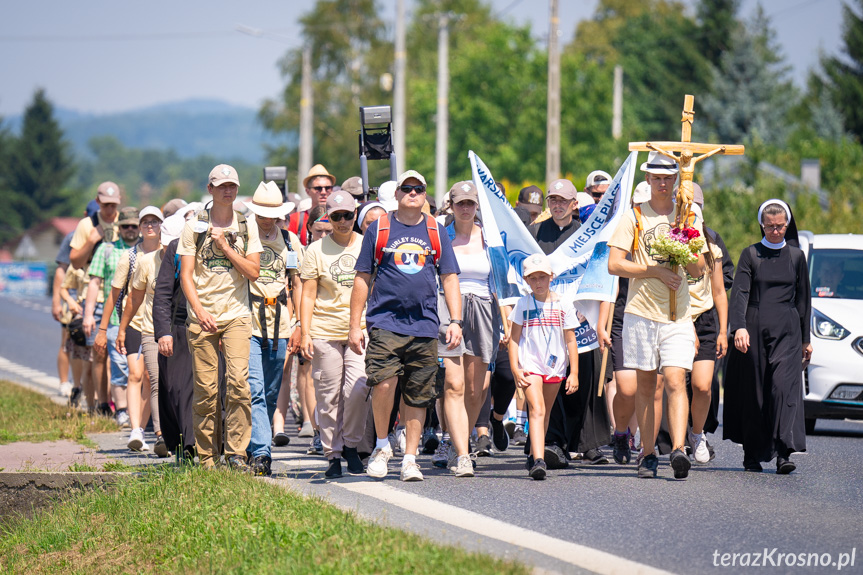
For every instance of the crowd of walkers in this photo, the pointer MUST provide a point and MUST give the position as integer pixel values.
(374, 328)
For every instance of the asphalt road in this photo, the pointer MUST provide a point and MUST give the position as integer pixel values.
(676, 526)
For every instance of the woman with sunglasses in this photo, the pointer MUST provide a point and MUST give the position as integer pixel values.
(339, 373)
(769, 315)
(466, 380)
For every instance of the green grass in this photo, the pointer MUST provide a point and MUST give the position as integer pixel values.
(29, 416)
(194, 521)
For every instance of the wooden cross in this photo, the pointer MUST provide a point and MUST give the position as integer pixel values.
(686, 158)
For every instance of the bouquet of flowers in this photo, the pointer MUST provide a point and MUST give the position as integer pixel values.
(679, 246)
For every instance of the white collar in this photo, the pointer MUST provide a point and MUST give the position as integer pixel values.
(773, 246)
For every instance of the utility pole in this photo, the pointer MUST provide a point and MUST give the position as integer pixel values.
(399, 131)
(617, 106)
(552, 141)
(440, 182)
(306, 111)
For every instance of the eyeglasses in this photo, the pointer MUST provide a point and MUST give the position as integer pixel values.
(151, 223)
(775, 228)
(407, 188)
(129, 227)
(340, 216)
(322, 188)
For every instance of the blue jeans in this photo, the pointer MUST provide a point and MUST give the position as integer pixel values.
(119, 367)
(266, 366)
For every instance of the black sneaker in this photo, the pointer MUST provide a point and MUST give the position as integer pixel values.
(538, 470)
(262, 466)
(75, 397)
(680, 464)
(429, 441)
(499, 436)
(483, 446)
(335, 469)
(104, 409)
(519, 437)
(352, 458)
(281, 439)
(238, 463)
(594, 457)
(648, 466)
(160, 448)
(529, 463)
(554, 458)
(622, 453)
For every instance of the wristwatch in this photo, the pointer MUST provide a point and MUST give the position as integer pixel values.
(458, 322)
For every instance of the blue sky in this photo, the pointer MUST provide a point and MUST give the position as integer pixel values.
(106, 56)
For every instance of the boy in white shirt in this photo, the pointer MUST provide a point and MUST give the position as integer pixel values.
(541, 346)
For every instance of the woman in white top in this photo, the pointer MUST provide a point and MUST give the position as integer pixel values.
(466, 381)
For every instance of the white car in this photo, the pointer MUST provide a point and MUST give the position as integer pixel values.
(833, 382)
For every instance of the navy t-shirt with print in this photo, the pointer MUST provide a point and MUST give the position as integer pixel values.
(403, 298)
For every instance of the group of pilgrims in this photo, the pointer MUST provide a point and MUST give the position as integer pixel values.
(382, 316)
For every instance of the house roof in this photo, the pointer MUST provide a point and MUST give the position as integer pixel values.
(62, 226)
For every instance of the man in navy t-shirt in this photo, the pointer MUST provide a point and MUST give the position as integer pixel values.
(402, 319)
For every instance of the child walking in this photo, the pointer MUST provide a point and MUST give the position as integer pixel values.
(541, 346)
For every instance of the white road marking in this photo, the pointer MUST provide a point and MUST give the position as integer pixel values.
(572, 553)
(32, 377)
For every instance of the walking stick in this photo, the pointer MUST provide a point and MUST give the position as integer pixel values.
(608, 323)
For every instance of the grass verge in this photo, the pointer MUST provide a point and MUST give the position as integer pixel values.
(29, 416)
(194, 521)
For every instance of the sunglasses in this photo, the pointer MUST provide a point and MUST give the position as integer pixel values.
(407, 188)
(129, 227)
(322, 188)
(775, 228)
(341, 216)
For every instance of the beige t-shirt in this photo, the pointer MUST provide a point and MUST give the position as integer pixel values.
(119, 281)
(271, 281)
(701, 289)
(144, 278)
(78, 280)
(333, 267)
(649, 297)
(222, 290)
(85, 226)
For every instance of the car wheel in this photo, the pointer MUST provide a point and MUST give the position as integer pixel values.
(810, 426)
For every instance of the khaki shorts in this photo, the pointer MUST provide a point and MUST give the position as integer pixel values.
(412, 359)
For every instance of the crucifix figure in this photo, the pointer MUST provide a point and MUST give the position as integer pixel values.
(686, 157)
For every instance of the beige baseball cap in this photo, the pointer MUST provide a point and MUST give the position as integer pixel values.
(464, 191)
(223, 173)
(563, 188)
(108, 193)
(410, 174)
(536, 263)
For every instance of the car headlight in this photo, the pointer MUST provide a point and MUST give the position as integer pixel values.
(826, 328)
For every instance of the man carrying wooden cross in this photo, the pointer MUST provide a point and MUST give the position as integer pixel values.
(655, 336)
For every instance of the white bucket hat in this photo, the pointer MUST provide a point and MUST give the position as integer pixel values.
(267, 202)
(659, 164)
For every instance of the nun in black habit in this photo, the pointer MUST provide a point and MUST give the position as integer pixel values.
(769, 317)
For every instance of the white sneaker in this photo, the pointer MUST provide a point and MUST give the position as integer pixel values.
(463, 466)
(122, 419)
(378, 463)
(411, 471)
(66, 389)
(699, 447)
(401, 439)
(136, 440)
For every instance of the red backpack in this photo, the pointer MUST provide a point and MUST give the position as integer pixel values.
(383, 236)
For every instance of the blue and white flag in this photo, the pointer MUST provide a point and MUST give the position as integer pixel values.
(583, 255)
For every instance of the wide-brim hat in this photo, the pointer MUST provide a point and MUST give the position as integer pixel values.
(641, 193)
(172, 228)
(267, 202)
(318, 171)
(659, 164)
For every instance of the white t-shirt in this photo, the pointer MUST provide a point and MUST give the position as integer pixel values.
(542, 348)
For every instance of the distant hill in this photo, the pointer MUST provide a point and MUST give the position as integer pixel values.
(191, 128)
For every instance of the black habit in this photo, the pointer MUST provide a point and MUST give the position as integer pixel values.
(763, 388)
